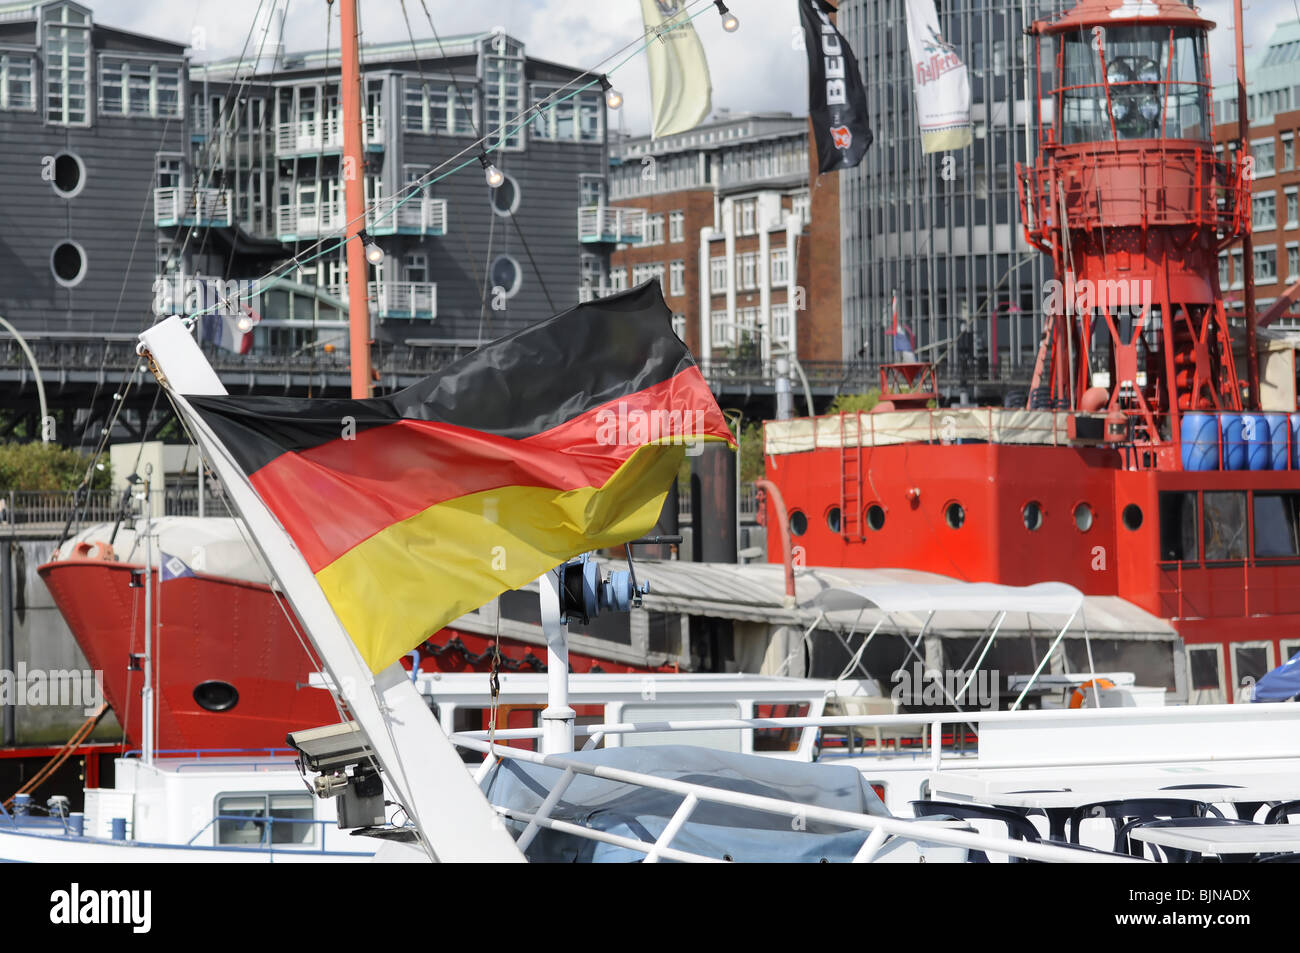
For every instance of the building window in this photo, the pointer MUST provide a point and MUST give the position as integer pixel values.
(643, 273)
(1292, 209)
(438, 108)
(1225, 277)
(780, 267)
(677, 278)
(568, 118)
(676, 226)
(747, 271)
(16, 89)
(67, 70)
(68, 263)
(618, 279)
(503, 92)
(780, 322)
(718, 275)
(505, 197)
(1265, 210)
(69, 175)
(1292, 262)
(720, 329)
(1288, 151)
(506, 275)
(416, 266)
(679, 326)
(1264, 152)
(801, 205)
(591, 191)
(1266, 265)
(654, 229)
(133, 87)
(747, 217)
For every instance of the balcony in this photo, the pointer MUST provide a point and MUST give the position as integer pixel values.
(191, 207)
(421, 215)
(418, 216)
(606, 224)
(307, 136)
(397, 299)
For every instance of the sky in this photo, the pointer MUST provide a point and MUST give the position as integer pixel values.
(757, 68)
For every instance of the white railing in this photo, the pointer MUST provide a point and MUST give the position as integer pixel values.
(590, 292)
(420, 215)
(186, 206)
(397, 299)
(319, 135)
(603, 223)
(880, 828)
(308, 221)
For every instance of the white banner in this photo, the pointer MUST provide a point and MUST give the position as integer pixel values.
(680, 90)
(940, 79)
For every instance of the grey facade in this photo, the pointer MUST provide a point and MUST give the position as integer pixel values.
(943, 230)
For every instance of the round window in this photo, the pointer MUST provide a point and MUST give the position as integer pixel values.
(876, 517)
(68, 264)
(955, 515)
(1083, 517)
(1033, 515)
(69, 175)
(216, 696)
(833, 519)
(505, 197)
(1133, 516)
(506, 274)
(798, 523)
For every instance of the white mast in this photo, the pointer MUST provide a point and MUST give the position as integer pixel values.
(421, 767)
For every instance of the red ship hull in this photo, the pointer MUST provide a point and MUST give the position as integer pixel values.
(216, 629)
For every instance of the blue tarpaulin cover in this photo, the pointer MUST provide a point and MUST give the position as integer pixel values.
(1281, 683)
(714, 830)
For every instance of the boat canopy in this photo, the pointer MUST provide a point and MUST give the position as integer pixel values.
(1044, 598)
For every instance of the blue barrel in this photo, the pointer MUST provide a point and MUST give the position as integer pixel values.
(1200, 438)
(1234, 444)
(1278, 429)
(22, 805)
(1255, 435)
(119, 828)
(76, 824)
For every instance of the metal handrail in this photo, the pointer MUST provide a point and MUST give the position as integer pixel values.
(262, 842)
(880, 828)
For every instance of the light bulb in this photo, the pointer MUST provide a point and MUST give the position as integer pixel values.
(1149, 107)
(1118, 72)
(244, 323)
(493, 175)
(613, 98)
(374, 254)
(730, 22)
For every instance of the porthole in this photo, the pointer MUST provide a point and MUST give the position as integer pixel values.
(1132, 516)
(1083, 517)
(798, 523)
(833, 519)
(68, 175)
(876, 517)
(216, 696)
(506, 274)
(68, 264)
(505, 197)
(955, 515)
(1033, 515)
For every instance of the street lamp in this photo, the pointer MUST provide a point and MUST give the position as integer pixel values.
(47, 422)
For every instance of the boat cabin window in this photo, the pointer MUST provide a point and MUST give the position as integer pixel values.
(244, 818)
(1225, 525)
(1205, 668)
(1289, 648)
(1277, 524)
(1178, 540)
(1251, 661)
(779, 739)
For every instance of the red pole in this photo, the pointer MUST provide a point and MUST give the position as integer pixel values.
(1247, 239)
(783, 521)
(354, 196)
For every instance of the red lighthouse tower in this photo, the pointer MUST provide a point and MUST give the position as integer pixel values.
(1133, 205)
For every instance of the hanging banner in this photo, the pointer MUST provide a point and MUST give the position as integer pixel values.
(680, 90)
(942, 84)
(837, 103)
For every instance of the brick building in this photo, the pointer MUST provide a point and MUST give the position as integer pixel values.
(742, 235)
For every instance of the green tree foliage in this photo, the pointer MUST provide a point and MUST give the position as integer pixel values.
(42, 466)
(853, 403)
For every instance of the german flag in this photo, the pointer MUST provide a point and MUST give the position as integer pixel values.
(415, 508)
